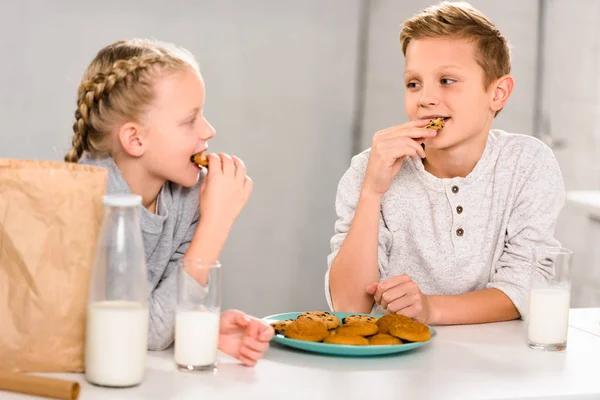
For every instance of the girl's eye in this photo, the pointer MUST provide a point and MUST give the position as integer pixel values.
(411, 85)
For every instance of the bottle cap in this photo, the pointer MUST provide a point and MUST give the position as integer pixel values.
(122, 200)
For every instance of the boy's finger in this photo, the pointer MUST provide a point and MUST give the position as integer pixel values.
(413, 133)
(372, 288)
(417, 123)
(389, 283)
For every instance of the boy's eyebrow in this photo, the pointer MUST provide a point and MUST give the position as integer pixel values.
(446, 66)
(449, 66)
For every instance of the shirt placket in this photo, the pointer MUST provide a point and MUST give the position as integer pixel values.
(456, 196)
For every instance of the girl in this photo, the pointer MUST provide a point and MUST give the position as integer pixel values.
(139, 115)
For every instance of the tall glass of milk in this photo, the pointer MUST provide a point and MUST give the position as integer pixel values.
(197, 317)
(549, 298)
(117, 312)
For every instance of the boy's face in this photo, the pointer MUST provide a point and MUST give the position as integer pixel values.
(442, 79)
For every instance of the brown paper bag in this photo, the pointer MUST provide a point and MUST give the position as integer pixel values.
(50, 216)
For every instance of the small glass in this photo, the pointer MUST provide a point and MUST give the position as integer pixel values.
(198, 314)
(549, 298)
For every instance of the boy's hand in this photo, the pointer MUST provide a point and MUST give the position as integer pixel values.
(244, 337)
(389, 149)
(399, 294)
(225, 190)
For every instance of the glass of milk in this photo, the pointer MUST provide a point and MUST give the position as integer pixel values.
(117, 314)
(549, 298)
(197, 316)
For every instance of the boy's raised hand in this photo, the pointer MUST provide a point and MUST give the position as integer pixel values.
(389, 148)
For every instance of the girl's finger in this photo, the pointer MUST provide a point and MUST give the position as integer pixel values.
(251, 354)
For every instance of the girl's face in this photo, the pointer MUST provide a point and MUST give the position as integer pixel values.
(175, 128)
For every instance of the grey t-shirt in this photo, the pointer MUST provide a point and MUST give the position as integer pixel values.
(167, 236)
(459, 235)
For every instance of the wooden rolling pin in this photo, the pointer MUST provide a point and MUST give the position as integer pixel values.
(37, 385)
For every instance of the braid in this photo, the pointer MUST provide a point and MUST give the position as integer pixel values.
(80, 138)
(93, 100)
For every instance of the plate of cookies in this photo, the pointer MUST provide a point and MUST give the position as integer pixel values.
(349, 334)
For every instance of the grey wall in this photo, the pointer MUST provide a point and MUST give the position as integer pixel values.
(280, 90)
(282, 81)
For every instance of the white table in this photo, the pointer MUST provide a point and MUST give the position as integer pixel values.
(490, 361)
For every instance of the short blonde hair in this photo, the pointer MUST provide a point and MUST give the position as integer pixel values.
(118, 86)
(461, 20)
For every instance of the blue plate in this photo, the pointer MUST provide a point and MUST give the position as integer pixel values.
(341, 349)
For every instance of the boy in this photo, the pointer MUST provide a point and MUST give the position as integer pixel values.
(438, 225)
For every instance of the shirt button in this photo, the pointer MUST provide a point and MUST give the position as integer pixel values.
(454, 189)
(460, 232)
(459, 209)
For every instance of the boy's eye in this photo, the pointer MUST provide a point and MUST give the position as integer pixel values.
(192, 121)
(411, 85)
(447, 81)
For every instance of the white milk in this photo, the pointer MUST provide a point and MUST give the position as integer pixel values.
(549, 315)
(116, 343)
(196, 338)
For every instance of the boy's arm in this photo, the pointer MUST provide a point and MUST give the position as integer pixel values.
(480, 306)
(360, 246)
(531, 224)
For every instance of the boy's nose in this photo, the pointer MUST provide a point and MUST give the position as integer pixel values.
(429, 97)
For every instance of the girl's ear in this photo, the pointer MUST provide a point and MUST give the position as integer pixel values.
(131, 139)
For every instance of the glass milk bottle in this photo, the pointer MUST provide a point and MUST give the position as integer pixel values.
(117, 312)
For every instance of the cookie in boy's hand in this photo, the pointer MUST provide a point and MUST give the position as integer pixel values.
(436, 124)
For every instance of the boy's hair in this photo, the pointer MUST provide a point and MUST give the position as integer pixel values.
(461, 20)
(118, 86)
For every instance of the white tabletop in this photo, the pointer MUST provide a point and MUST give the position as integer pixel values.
(490, 361)
(586, 319)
